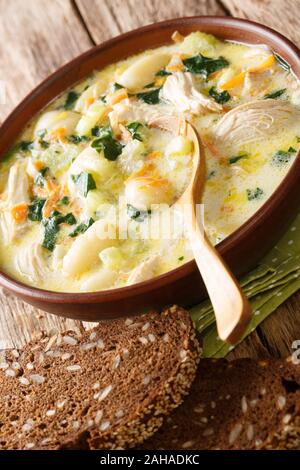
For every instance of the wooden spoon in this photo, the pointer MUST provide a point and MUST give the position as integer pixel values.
(231, 307)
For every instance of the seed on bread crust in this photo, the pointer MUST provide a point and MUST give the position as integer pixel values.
(110, 395)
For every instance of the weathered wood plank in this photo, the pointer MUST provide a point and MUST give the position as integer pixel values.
(107, 18)
(278, 14)
(36, 38)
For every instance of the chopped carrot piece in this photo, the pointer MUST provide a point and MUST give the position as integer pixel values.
(264, 66)
(177, 37)
(50, 204)
(117, 96)
(90, 101)
(233, 82)
(215, 74)
(154, 155)
(19, 212)
(239, 79)
(159, 81)
(39, 165)
(58, 134)
(175, 67)
(51, 186)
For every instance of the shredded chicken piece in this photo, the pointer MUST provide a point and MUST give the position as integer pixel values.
(153, 115)
(144, 271)
(254, 121)
(180, 90)
(30, 261)
(17, 193)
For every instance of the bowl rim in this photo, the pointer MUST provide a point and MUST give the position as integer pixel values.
(189, 267)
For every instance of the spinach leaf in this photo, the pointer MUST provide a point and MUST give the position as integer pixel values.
(23, 146)
(117, 86)
(51, 226)
(50, 233)
(162, 73)
(150, 85)
(64, 219)
(64, 201)
(40, 178)
(282, 62)
(282, 157)
(275, 94)
(137, 214)
(77, 139)
(81, 228)
(43, 143)
(133, 128)
(253, 194)
(204, 65)
(236, 158)
(35, 210)
(71, 99)
(149, 97)
(85, 182)
(111, 147)
(221, 97)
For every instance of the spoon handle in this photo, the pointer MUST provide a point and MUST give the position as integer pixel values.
(231, 307)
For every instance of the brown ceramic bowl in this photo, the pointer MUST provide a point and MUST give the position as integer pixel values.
(241, 250)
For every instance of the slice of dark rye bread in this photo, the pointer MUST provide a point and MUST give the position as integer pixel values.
(243, 404)
(107, 388)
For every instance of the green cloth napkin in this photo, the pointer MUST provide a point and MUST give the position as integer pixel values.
(267, 286)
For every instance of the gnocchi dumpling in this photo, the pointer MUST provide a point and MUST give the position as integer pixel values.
(143, 70)
(90, 94)
(53, 120)
(103, 279)
(84, 252)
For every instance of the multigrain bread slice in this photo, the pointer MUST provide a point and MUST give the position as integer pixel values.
(107, 388)
(243, 404)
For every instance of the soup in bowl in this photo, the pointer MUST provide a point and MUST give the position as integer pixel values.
(88, 189)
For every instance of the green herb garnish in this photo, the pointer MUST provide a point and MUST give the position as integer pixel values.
(221, 97)
(51, 226)
(162, 73)
(35, 210)
(43, 143)
(40, 178)
(253, 194)
(117, 86)
(204, 65)
(236, 158)
(71, 99)
(111, 147)
(150, 97)
(84, 182)
(275, 94)
(24, 146)
(283, 157)
(181, 258)
(50, 233)
(77, 139)
(81, 228)
(64, 201)
(136, 214)
(133, 128)
(150, 85)
(282, 62)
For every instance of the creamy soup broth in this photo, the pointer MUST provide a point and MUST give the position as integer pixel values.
(113, 142)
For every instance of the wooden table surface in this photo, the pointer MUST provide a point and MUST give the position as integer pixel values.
(37, 36)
